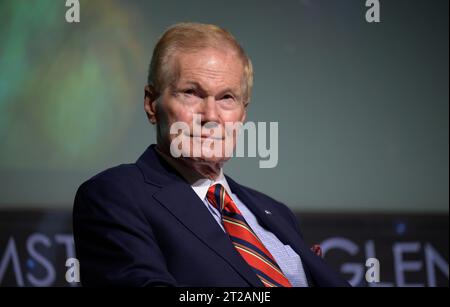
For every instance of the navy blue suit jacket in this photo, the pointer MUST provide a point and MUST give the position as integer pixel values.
(141, 224)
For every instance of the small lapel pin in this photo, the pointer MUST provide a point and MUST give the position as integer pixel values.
(268, 212)
(316, 249)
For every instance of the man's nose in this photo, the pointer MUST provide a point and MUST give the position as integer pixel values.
(209, 111)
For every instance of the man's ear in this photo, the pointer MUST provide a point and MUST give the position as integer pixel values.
(150, 103)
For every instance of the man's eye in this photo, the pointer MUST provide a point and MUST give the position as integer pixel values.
(227, 97)
(189, 92)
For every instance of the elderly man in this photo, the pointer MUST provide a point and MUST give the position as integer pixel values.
(173, 218)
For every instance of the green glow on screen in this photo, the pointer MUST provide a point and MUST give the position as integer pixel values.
(362, 108)
(62, 90)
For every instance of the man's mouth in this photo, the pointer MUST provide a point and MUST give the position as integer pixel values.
(207, 136)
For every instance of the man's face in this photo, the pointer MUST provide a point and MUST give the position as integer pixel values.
(206, 94)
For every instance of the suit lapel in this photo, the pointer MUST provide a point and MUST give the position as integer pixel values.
(182, 202)
(185, 205)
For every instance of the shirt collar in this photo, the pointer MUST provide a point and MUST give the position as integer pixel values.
(202, 185)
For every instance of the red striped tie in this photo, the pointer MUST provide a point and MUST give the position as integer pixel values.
(245, 240)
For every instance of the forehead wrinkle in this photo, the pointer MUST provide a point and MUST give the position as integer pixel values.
(211, 80)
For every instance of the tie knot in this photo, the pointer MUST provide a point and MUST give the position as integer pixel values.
(216, 196)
